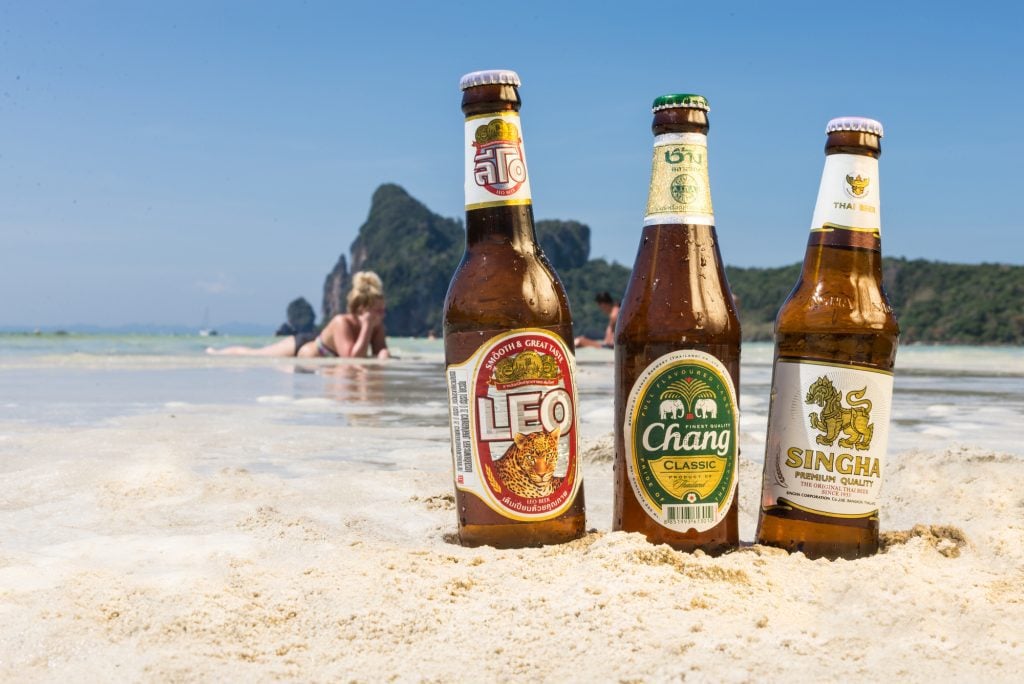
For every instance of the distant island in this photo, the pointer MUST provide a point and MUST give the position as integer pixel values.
(416, 251)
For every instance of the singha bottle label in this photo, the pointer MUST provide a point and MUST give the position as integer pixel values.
(495, 161)
(828, 428)
(681, 429)
(514, 427)
(848, 197)
(680, 191)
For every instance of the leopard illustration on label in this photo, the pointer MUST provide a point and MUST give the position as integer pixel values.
(527, 468)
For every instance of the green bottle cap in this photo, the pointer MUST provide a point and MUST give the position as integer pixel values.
(682, 100)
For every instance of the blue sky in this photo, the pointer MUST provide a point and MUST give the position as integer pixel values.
(161, 159)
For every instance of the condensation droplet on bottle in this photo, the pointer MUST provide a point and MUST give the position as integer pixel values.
(698, 319)
(703, 261)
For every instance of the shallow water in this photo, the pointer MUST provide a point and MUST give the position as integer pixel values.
(943, 395)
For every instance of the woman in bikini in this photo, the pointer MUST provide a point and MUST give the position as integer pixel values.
(611, 309)
(351, 334)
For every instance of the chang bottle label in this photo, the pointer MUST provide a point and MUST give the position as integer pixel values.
(514, 427)
(681, 428)
(495, 161)
(828, 428)
(848, 197)
(680, 192)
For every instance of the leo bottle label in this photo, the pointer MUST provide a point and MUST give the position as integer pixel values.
(680, 192)
(681, 430)
(828, 428)
(495, 161)
(514, 427)
(848, 197)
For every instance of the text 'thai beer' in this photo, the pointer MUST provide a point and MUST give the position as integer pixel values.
(677, 354)
(508, 346)
(835, 346)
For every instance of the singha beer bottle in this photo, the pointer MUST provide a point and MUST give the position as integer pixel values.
(677, 355)
(835, 344)
(508, 346)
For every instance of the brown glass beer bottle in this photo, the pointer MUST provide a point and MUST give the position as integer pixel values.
(508, 346)
(677, 355)
(835, 345)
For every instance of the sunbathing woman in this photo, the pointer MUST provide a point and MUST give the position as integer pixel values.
(611, 309)
(351, 334)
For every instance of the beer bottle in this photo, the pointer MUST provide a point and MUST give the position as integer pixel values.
(835, 345)
(677, 354)
(508, 346)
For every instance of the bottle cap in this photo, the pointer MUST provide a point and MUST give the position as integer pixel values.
(489, 77)
(681, 100)
(855, 123)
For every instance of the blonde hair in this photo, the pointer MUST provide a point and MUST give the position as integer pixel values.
(367, 290)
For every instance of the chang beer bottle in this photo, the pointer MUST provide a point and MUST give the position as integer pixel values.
(835, 344)
(508, 346)
(677, 354)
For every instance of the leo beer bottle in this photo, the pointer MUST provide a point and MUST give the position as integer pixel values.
(508, 344)
(835, 346)
(677, 354)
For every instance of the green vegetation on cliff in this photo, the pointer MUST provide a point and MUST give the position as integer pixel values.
(416, 251)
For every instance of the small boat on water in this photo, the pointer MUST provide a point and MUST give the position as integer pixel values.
(205, 330)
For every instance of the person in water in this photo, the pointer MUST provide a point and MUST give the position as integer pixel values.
(611, 308)
(351, 334)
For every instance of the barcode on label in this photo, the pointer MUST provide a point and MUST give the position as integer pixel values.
(696, 514)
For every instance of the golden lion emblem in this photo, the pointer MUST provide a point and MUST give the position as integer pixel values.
(835, 418)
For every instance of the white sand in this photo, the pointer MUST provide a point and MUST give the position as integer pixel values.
(158, 558)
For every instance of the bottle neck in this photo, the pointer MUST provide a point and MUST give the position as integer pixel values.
(823, 262)
(510, 225)
(497, 188)
(845, 236)
(847, 212)
(679, 192)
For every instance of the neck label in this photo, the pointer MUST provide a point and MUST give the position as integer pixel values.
(495, 162)
(680, 191)
(848, 198)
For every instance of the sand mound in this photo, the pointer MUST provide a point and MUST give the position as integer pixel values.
(168, 558)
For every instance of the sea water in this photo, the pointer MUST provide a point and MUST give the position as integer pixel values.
(943, 395)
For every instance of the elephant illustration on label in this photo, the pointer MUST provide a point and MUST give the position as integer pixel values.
(672, 408)
(705, 408)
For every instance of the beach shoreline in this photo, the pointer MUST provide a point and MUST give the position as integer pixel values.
(301, 526)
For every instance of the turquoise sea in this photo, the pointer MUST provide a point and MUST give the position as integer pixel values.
(944, 395)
